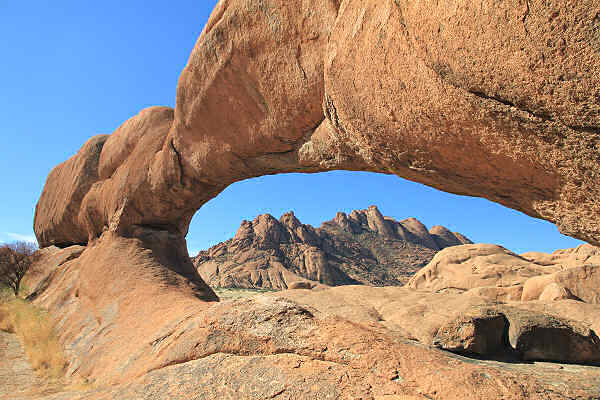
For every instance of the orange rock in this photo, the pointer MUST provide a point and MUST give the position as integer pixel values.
(411, 99)
(554, 292)
(465, 267)
(56, 220)
(580, 282)
(534, 287)
(474, 100)
(160, 340)
(468, 324)
(502, 294)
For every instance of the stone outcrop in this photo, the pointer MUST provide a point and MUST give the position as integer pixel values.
(360, 248)
(477, 266)
(56, 221)
(494, 272)
(498, 101)
(347, 341)
(472, 325)
(553, 298)
(551, 310)
(480, 100)
(578, 277)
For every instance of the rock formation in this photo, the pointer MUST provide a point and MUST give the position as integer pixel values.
(435, 93)
(552, 310)
(493, 271)
(344, 342)
(466, 324)
(361, 248)
(498, 100)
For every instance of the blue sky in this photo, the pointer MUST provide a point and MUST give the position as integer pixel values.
(73, 69)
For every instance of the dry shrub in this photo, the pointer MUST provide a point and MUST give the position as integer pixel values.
(36, 332)
(5, 320)
(16, 259)
(5, 294)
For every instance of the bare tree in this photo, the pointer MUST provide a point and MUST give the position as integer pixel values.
(15, 260)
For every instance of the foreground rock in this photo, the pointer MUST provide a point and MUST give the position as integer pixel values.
(470, 324)
(494, 272)
(559, 292)
(361, 248)
(346, 342)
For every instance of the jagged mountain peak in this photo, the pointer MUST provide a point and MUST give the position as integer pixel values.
(289, 220)
(288, 228)
(361, 247)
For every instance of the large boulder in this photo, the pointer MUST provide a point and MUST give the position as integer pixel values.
(537, 336)
(578, 276)
(495, 272)
(469, 324)
(475, 266)
(581, 282)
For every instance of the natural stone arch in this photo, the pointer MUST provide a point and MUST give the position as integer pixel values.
(499, 101)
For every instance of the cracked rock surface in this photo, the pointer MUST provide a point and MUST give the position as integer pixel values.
(490, 101)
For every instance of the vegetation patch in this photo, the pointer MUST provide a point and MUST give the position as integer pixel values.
(36, 332)
(236, 293)
(5, 293)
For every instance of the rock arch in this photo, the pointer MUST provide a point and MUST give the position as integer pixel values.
(498, 101)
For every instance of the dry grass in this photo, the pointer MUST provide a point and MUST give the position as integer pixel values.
(5, 323)
(36, 332)
(5, 294)
(237, 293)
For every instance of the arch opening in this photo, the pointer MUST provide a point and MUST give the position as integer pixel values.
(344, 228)
(315, 198)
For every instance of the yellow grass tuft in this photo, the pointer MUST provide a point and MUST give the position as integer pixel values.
(5, 322)
(36, 332)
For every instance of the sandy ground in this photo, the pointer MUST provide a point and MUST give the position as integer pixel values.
(18, 381)
(16, 375)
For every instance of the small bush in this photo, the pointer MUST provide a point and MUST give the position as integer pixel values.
(36, 332)
(6, 293)
(16, 259)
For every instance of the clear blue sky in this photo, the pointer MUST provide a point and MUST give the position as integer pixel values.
(73, 69)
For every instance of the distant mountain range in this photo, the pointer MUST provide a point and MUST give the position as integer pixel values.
(361, 248)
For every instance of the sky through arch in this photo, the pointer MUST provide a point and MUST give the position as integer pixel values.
(315, 198)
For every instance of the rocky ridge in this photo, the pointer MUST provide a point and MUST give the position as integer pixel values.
(363, 247)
